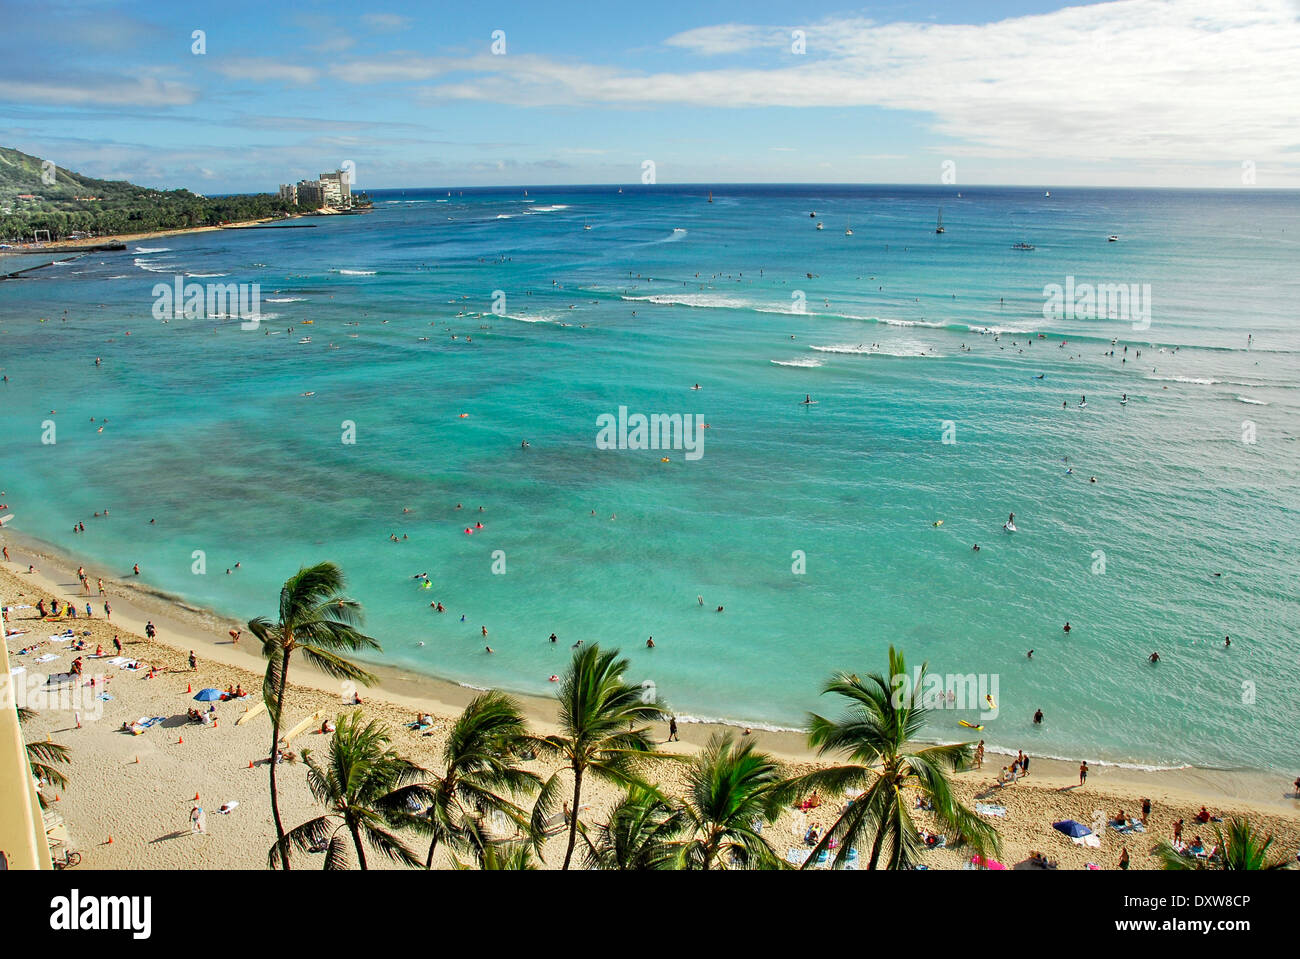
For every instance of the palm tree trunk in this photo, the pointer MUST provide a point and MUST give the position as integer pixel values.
(356, 841)
(275, 748)
(433, 843)
(573, 815)
(876, 847)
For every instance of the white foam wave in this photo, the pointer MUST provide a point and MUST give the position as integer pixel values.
(152, 266)
(860, 349)
(1199, 381)
(552, 208)
(1246, 399)
(354, 272)
(703, 300)
(804, 361)
(206, 275)
(286, 299)
(153, 249)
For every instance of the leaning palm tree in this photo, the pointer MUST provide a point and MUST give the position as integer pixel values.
(369, 791)
(598, 734)
(641, 833)
(318, 622)
(479, 765)
(495, 855)
(1240, 846)
(878, 732)
(731, 791)
(43, 756)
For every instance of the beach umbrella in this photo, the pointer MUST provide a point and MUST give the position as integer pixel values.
(1071, 828)
(208, 695)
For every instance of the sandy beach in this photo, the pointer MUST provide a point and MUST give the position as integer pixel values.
(138, 790)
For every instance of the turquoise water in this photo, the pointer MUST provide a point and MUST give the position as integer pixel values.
(208, 433)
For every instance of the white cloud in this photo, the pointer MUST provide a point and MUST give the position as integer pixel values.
(385, 21)
(114, 91)
(1135, 79)
(261, 70)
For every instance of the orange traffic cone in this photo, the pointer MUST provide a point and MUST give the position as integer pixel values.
(58, 798)
(250, 764)
(180, 740)
(110, 841)
(137, 760)
(189, 688)
(196, 797)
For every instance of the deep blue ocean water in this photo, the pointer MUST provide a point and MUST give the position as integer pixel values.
(902, 336)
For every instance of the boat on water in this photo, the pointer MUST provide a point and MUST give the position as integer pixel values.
(848, 229)
(1048, 193)
(821, 226)
(710, 196)
(1113, 238)
(939, 228)
(586, 225)
(1022, 245)
(305, 339)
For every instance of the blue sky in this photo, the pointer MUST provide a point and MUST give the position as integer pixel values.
(1134, 92)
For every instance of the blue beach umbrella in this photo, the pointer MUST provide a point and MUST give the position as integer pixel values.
(208, 695)
(1071, 828)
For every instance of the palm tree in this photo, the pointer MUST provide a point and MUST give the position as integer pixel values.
(641, 833)
(43, 756)
(877, 733)
(479, 764)
(1241, 846)
(369, 791)
(731, 790)
(598, 735)
(316, 621)
(496, 855)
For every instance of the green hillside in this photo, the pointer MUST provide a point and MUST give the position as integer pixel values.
(84, 205)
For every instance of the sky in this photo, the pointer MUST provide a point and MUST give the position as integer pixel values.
(240, 96)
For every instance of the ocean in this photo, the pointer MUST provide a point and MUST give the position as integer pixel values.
(447, 330)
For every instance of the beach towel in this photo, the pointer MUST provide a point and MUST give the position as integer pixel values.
(229, 807)
(146, 723)
(105, 697)
(796, 857)
(991, 809)
(117, 661)
(46, 658)
(1092, 841)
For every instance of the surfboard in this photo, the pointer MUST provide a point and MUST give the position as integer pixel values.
(311, 720)
(6, 518)
(963, 722)
(989, 700)
(250, 712)
(1010, 527)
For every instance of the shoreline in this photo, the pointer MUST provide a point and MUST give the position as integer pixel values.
(87, 244)
(182, 627)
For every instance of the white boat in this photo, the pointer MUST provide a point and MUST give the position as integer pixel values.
(1113, 238)
(821, 226)
(848, 230)
(305, 339)
(939, 228)
(1048, 193)
(710, 196)
(586, 226)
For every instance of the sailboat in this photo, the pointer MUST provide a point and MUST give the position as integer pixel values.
(710, 196)
(1048, 193)
(586, 225)
(939, 228)
(821, 226)
(848, 230)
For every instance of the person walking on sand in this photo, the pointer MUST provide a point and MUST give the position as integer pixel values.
(1123, 858)
(1083, 772)
(979, 755)
(672, 729)
(1146, 809)
(194, 662)
(197, 824)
